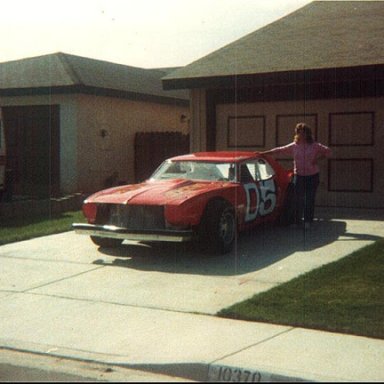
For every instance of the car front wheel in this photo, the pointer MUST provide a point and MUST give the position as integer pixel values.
(218, 228)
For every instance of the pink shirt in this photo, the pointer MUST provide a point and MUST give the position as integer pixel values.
(304, 156)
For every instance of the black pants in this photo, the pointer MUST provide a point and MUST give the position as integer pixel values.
(305, 195)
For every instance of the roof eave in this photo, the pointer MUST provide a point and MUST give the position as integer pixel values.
(95, 91)
(281, 77)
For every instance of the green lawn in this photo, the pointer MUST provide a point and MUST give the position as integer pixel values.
(12, 230)
(346, 296)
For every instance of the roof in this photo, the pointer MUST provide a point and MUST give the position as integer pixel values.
(62, 71)
(321, 35)
(220, 156)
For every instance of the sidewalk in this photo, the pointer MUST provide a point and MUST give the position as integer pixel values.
(196, 347)
(55, 299)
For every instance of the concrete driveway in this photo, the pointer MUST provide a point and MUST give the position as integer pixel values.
(175, 276)
(145, 306)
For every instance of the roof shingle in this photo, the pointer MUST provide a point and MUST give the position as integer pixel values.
(322, 34)
(64, 70)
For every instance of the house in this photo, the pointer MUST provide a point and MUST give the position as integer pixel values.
(322, 64)
(70, 121)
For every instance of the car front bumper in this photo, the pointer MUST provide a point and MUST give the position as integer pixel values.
(111, 231)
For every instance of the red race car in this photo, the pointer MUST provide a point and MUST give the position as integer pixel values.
(207, 196)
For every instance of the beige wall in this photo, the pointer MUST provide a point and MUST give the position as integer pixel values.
(100, 157)
(353, 128)
(86, 158)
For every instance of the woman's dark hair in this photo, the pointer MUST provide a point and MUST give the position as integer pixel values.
(306, 130)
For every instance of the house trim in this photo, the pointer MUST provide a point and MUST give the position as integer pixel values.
(94, 91)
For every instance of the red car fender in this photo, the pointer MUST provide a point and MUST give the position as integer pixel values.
(190, 212)
(187, 214)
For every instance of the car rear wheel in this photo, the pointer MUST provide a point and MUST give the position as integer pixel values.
(218, 229)
(106, 242)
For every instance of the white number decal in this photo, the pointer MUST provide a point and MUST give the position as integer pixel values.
(268, 197)
(253, 196)
(261, 199)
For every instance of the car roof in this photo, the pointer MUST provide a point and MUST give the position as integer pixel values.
(220, 156)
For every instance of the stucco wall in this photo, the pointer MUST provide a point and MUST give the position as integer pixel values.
(353, 128)
(86, 158)
(99, 157)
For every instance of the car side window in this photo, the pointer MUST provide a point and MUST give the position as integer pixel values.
(247, 173)
(256, 170)
(265, 170)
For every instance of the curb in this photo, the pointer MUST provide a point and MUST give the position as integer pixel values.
(200, 372)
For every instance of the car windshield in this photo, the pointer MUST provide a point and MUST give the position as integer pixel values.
(195, 170)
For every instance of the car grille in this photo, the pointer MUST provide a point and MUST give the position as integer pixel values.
(133, 217)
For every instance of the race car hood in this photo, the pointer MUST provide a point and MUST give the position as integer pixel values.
(154, 192)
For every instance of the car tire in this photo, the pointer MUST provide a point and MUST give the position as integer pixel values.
(218, 230)
(287, 213)
(106, 242)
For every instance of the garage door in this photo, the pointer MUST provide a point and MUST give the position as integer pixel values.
(352, 128)
(32, 137)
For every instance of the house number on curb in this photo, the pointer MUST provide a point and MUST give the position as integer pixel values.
(234, 375)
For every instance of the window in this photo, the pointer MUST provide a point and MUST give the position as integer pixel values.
(265, 169)
(195, 170)
(247, 173)
(255, 171)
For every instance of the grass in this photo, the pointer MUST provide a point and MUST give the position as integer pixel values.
(346, 296)
(12, 230)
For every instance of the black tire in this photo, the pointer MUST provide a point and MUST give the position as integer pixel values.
(287, 214)
(106, 242)
(218, 229)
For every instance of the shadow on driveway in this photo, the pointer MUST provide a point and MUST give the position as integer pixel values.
(254, 251)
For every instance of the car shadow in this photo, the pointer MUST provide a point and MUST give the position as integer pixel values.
(253, 251)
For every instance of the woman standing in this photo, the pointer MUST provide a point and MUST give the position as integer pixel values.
(306, 153)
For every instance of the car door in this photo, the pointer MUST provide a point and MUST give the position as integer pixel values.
(257, 178)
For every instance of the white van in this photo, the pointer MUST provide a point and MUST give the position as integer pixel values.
(2, 153)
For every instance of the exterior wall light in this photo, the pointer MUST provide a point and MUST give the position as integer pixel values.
(103, 133)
